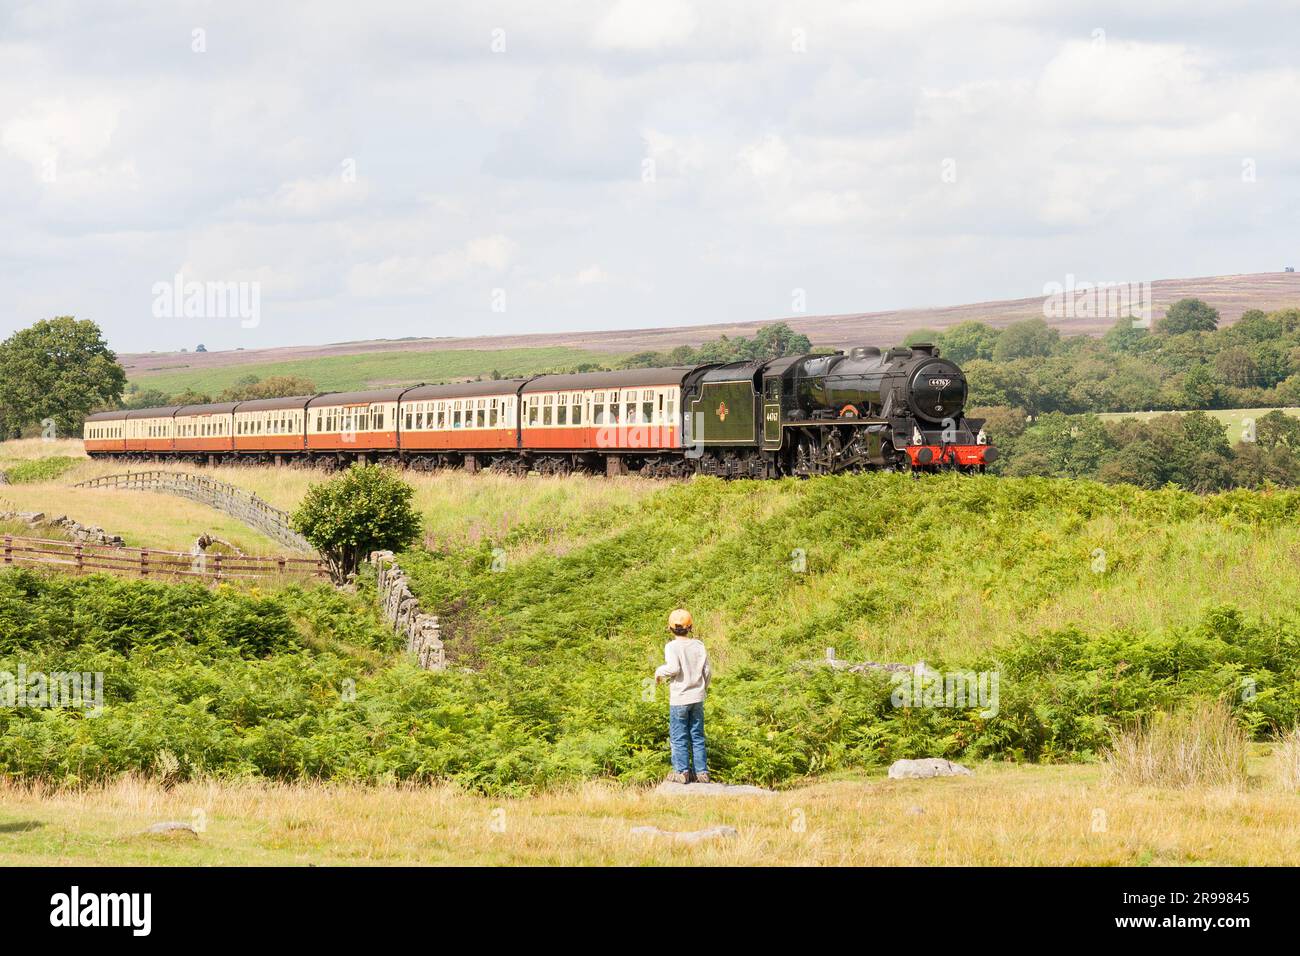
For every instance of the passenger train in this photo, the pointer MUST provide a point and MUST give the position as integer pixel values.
(797, 415)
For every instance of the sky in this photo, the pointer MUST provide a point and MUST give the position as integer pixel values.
(330, 171)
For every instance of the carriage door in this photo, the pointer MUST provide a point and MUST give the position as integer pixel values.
(772, 413)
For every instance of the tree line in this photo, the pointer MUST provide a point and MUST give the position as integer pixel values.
(1190, 450)
(1185, 361)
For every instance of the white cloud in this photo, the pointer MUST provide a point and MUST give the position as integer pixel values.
(639, 25)
(309, 198)
(419, 275)
(776, 165)
(60, 138)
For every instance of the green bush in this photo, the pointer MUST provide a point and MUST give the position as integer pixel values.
(367, 508)
(39, 469)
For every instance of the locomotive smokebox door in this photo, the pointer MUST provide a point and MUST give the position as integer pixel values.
(772, 413)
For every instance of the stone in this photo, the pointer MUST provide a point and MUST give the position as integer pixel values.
(400, 609)
(170, 828)
(711, 790)
(924, 769)
(688, 836)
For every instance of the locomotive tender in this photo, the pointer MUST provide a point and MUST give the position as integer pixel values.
(800, 415)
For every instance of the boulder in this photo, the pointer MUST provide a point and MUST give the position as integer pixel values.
(687, 836)
(170, 828)
(924, 769)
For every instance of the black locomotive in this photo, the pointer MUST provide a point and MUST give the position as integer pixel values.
(819, 414)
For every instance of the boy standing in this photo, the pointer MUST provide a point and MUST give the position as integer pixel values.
(686, 668)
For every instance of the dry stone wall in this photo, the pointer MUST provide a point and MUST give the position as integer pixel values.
(75, 530)
(401, 610)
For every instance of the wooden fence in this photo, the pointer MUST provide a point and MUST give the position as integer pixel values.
(150, 562)
(235, 501)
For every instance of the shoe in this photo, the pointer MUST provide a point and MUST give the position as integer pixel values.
(702, 777)
(676, 777)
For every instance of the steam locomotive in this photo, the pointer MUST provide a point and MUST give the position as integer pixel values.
(799, 415)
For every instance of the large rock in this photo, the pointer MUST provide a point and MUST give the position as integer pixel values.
(711, 790)
(929, 767)
(170, 828)
(687, 836)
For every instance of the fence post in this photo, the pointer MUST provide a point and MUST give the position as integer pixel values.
(144, 562)
(280, 562)
(80, 562)
(217, 564)
(9, 549)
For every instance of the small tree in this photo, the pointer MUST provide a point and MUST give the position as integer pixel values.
(1189, 315)
(367, 508)
(58, 369)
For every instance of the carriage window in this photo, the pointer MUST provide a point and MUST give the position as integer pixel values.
(419, 420)
(442, 415)
(647, 412)
(630, 411)
(562, 415)
(532, 413)
(577, 410)
(492, 414)
(379, 421)
(546, 413)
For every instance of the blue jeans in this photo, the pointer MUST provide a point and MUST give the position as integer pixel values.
(686, 735)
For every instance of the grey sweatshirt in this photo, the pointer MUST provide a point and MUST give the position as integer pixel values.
(686, 665)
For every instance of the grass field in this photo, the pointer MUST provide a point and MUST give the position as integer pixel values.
(457, 508)
(375, 369)
(1099, 605)
(1234, 419)
(1159, 573)
(1004, 815)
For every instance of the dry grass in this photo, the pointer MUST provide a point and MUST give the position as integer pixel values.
(27, 449)
(1198, 747)
(1287, 754)
(1004, 815)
